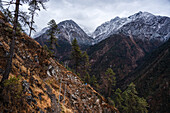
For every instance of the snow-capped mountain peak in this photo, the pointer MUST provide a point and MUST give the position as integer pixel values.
(141, 14)
(68, 30)
(110, 26)
(141, 25)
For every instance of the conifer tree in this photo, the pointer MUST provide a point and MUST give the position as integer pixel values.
(87, 78)
(52, 30)
(93, 81)
(76, 55)
(111, 80)
(34, 6)
(51, 33)
(131, 102)
(85, 66)
(12, 45)
(85, 61)
(118, 98)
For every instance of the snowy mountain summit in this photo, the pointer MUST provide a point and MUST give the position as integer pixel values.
(142, 25)
(68, 30)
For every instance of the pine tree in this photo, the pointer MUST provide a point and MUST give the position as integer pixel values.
(76, 55)
(87, 78)
(111, 80)
(12, 45)
(85, 66)
(131, 102)
(34, 6)
(52, 30)
(118, 98)
(85, 62)
(51, 33)
(93, 81)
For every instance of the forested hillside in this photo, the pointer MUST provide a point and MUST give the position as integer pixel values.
(152, 79)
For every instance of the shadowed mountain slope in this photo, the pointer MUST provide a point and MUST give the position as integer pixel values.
(152, 79)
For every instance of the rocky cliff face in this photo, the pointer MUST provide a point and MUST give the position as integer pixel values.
(42, 84)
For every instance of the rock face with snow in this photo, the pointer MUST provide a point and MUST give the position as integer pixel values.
(68, 30)
(141, 25)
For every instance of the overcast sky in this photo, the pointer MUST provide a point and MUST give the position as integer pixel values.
(91, 13)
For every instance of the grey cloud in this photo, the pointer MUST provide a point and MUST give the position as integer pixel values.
(92, 13)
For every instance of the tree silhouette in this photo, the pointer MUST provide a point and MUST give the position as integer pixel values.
(76, 55)
(131, 102)
(12, 45)
(111, 80)
(34, 6)
(52, 34)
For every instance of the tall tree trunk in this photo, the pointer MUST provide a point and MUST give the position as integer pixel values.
(0, 4)
(32, 19)
(12, 45)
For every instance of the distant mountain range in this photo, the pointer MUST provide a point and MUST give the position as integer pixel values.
(142, 25)
(152, 30)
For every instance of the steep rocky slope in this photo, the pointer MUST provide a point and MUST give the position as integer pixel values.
(38, 83)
